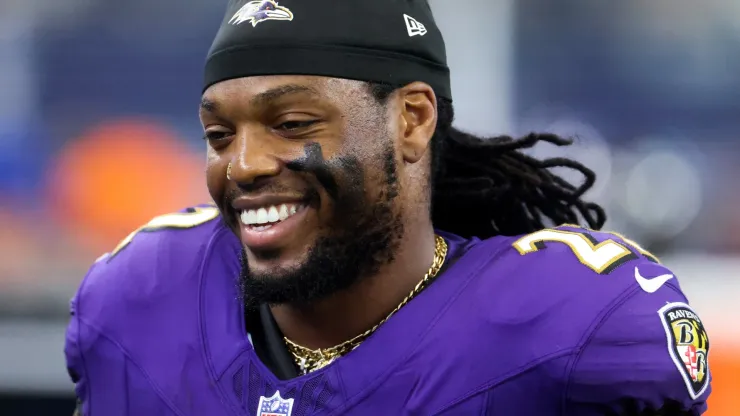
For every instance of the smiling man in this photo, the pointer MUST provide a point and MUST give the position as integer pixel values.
(364, 257)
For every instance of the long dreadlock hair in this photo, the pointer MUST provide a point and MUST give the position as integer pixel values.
(485, 187)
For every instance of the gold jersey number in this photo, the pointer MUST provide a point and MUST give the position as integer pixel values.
(601, 257)
(192, 217)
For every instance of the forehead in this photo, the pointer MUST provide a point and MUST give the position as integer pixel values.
(265, 90)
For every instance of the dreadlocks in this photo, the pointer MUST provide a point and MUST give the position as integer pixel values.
(485, 187)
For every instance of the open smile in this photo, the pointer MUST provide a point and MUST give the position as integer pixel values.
(270, 226)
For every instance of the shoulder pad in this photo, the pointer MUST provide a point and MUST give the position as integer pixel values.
(600, 252)
(575, 262)
(182, 220)
(570, 275)
(154, 263)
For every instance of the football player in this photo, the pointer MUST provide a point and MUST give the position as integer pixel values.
(365, 257)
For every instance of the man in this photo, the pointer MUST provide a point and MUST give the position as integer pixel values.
(364, 257)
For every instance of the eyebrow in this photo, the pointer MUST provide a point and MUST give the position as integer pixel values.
(208, 105)
(265, 97)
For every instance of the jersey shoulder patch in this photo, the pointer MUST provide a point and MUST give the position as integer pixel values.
(688, 345)
(601, 252)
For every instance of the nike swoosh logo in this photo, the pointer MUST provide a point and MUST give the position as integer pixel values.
(651, 285)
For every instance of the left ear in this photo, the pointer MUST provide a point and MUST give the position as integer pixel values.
(418, 105)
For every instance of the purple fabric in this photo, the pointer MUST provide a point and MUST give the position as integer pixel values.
(159, 330)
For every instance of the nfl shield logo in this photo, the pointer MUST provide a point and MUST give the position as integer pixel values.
(274, 406)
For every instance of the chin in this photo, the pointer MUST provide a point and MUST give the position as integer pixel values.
(274, 279)
(272, 264)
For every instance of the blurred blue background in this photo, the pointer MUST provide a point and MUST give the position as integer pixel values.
(99, 132)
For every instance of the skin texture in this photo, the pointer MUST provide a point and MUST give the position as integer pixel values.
(366, 237)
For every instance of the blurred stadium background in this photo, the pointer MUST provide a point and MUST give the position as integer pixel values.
(99, 132)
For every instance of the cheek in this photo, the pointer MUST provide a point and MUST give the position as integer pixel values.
(215, 175)
(213, 161)
(362, 178)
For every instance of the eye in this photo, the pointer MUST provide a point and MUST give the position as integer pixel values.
(295, 125)
(213, 136)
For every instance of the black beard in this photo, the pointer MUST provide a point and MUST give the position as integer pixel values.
(364, 236)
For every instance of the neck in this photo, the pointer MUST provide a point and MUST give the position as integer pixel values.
(349, 313)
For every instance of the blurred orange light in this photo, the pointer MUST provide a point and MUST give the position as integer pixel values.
(724, 362)
(119, 175)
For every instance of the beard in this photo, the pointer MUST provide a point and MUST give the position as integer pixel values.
(363, 236)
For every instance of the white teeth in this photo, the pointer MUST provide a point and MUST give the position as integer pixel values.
(272, 214)
(251, 217)
(262, 218)
(283, 212)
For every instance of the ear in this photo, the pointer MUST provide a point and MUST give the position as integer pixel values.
(418, 105)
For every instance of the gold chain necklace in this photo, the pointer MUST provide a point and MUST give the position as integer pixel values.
(309, 360)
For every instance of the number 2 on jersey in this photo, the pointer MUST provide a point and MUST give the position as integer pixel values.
(190, 218)
(600, 257)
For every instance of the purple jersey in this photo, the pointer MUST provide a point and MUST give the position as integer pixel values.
(562, 321)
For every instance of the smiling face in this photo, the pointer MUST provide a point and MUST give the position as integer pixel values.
(316, 187)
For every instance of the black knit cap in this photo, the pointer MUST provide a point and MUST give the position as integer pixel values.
(389, 41)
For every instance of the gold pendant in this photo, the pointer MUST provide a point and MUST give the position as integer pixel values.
(309, 360)
(323, 362)
(303, 366)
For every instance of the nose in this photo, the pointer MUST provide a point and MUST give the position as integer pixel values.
(254, 159)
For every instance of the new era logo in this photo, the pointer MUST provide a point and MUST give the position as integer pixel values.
(414, 27)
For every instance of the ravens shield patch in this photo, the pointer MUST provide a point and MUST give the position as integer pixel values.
(688, 345)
